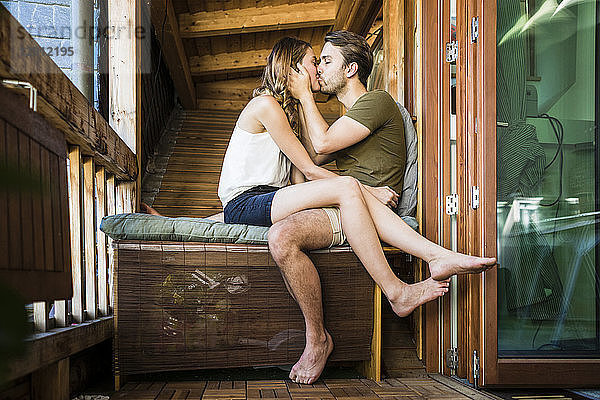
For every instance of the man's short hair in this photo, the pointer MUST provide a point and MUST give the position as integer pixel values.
(354, 48)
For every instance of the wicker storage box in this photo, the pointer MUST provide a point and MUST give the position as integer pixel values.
(191, 305)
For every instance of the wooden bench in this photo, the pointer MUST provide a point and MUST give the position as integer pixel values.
(182, 306)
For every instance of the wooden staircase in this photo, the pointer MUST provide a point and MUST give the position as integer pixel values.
(189, 185)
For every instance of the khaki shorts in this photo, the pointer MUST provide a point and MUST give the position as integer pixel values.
(335, 219)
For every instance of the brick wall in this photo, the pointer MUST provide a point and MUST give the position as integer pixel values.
(49, 22)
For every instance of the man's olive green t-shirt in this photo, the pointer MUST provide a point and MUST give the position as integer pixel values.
(380, 158)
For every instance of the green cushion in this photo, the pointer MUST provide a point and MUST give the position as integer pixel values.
(183, 229)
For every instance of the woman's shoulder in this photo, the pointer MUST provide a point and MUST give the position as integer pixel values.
(264, 100)
(264, 105)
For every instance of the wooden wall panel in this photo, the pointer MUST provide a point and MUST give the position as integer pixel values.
(34, 203)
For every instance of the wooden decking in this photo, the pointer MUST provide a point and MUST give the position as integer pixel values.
(435, 387)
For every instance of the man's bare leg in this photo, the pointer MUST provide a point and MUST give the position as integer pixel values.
(288, 239)
(310, 230)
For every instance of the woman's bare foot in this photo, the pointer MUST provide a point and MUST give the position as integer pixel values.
(146, 209)
(451, 263)
(412, 296)
(312, 361)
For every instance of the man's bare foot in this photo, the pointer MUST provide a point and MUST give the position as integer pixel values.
(146, 209)
(312, 361)
(412, 296)
(452, 263)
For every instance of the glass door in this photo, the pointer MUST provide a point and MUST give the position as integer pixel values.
(459, 312)
(539, 164)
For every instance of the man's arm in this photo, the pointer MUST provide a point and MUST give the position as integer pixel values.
(325, 139)
(296, 176)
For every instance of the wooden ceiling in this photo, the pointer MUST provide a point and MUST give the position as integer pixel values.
(204, 41)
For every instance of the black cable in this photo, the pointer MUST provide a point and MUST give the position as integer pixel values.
(535, 335)
(558, 130)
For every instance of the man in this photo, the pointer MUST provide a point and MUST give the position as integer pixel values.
(368, 144)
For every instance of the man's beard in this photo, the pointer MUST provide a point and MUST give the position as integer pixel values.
(333, 86)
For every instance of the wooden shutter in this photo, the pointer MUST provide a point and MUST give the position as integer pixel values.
(35, 255)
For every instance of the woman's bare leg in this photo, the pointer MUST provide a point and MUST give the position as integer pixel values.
(146, 209)
(346, 193)
(443, 263)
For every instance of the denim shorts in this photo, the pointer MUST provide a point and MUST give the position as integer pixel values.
(253, 207)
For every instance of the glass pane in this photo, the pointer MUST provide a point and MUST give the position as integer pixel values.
(548, 178)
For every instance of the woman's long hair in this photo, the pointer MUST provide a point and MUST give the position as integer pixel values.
(286, 53)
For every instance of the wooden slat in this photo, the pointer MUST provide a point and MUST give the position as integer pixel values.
(257, 19)
(89, 241)
(77, 306)
(357, 15)
(252, 60)
(57, 202)
(111, 210)
(14, 203)
(37, 208)
(4, 216)
(101, 242)
(173, 51)
(40, 316)
(125, 195)
(61, 313)
(26, 220)
(59, 101)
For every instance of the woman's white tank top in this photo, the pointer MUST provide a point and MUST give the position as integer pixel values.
(251, 159)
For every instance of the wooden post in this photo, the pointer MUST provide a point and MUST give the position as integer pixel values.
(125, 75)
(372, 368)
(89, 223)
(393, 47)
(51, 382)
(101, 242)
(75, 218)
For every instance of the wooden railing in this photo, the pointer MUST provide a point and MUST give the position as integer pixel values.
(101, 172)
(93, 194)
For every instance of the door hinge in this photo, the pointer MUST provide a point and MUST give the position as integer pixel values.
(452, 359)
(476, 369)
(451, 51)
(452, 204)
(474, 29)
(475, 197)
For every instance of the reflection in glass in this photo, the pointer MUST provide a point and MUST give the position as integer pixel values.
(547, 178)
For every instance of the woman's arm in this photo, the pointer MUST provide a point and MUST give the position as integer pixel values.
(271, 116)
